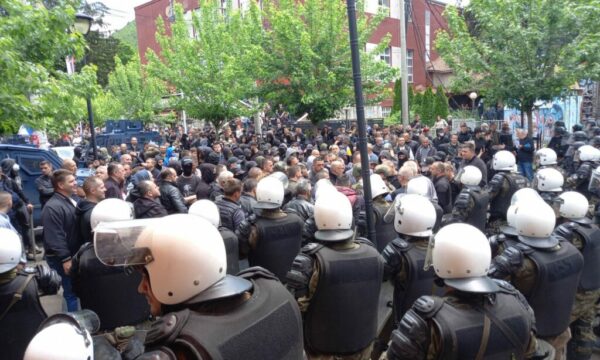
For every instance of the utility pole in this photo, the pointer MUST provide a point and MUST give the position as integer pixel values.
(403, 63)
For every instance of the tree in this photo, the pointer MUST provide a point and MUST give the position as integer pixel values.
(441, 103)
(138, 94)
(217, 66)
(519, 51)
(34, 37)
(102, 52)
(307, 60)
(427, 107)
(128, 35)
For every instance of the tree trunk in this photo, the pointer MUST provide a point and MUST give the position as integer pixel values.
(529, 122)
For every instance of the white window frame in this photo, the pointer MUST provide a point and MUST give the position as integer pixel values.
(410, 56)
(386, 55)
(386, 111)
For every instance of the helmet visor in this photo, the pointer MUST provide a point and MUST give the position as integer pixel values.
(114, 243)
(594, 185)
(429, 256)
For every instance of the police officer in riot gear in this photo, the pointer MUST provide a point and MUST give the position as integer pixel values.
(20, 309)
(579, 230)
(413, 219)
(108, 291)
(421, 185)
(472, 203)
(576, 140)
(536, 265)
(478, 318)
(503, 185)
(384, 229)
(548, 182)
(209, 211)
(204, 313)
(337, 281)
(587, 158)
(271, 238)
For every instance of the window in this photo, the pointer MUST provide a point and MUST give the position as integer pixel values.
(386, 111)
(30, 164)
(409, 62)
(427, 34)
(386, 55)
(385, 6)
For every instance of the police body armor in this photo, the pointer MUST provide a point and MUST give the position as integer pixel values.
(278, 243)
(590, 277)
(384, 231)
(108, 291)
(553, 293)
(266, 326)
(418, 281)
(584, 172)
(20, 323)
(500, 204)
(232, 250)
(461, 327)
(337, 320)
(478, 214)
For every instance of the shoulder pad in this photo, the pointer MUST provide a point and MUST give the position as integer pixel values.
(311, 248)
(166, 329)
(257, 272)
(524, 249)
(497, 179)
(427, 306)
(401, 244)
(365, 241)
(462, 200)
(505, 286)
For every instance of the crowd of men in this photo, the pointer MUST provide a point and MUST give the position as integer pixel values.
(236, 246)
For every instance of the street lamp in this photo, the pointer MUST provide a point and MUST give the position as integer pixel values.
(473, 97)
(83, 24)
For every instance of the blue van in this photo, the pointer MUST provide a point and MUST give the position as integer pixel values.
(119, 132)
(29, 159)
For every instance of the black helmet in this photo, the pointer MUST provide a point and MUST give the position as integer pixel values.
(577, 127)
(559, 124)
(595, 142)
(579, 136)
(560, 130)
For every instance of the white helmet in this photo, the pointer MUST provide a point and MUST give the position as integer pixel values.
(61, 341)
(10, 250)
(511, 218)
(378, 186)
(414, 215)
(535, 221)
(574, 206)
(333, 216)
(188, 257)
(207, 210)
(525, 194)
(588, 153)
(109, 210)
(503, 160)
(548, 179)
(269, 193)
(418, 185)
(470, 176)
(323, 186)
(545, 156)
(461, 255)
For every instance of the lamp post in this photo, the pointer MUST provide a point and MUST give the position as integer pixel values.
(473, 97)
(83, 24)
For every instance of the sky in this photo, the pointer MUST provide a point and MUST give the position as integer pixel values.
(122, 11)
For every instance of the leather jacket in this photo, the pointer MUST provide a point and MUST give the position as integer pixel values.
(171, 198)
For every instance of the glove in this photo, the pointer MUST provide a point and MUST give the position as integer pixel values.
(243, 231)
(48, 280)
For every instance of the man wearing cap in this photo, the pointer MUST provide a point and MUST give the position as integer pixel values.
(325, 278)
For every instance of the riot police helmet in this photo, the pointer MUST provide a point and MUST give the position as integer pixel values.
(461, 256)
(10, 250)
(414, 215)
(503, 161)
(269, 193)
(525, 194)
(587, 153)
(545, 157)
(595, 141)
(511, 217)
(535, 221)
(207, 210)
(574, 206)
(548, 179)
(378, 186)
(109, 210)
(470, 176)
(578, 136)
(333, 216)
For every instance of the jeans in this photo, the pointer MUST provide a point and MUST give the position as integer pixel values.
(526, 169)
(68, 294)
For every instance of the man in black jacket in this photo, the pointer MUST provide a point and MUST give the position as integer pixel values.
(147, 206)
(44, 182)
(230, 210)
(94, 191)
(60, 233)
(442, 186)
(170, 196)
(115, 182)
(467, 153)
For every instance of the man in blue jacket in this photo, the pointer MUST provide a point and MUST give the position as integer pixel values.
(525, 152)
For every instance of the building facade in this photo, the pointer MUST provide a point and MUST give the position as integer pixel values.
(425, 67)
